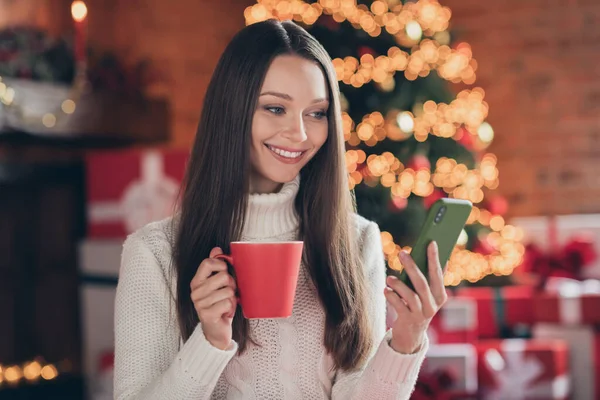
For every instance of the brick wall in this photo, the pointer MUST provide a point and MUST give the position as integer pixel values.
(537, 62)
(184, 39)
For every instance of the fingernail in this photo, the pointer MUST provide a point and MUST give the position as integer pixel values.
(391, 278)
(403, 254)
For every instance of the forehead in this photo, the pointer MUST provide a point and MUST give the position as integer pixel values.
(296, 76)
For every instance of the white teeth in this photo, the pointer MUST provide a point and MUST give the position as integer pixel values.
(286, 154)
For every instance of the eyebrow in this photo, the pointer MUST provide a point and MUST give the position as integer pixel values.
(288, 97)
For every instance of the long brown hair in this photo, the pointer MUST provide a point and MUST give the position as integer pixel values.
(216, 187)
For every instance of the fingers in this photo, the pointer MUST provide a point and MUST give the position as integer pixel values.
(436, 275)
(215, 251)
(414, 273)
(213, 314)
(214, 283)
(214, 297)
(207, 268)
(395, 301)
(405, 293)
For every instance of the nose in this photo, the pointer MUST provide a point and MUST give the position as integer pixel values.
(296, 131)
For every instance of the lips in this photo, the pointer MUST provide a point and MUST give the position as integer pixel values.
(289, 156)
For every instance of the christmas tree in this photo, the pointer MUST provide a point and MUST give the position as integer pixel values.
(410, 139)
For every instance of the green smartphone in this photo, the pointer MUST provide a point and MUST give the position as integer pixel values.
(444, 223)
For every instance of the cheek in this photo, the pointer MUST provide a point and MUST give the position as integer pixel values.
(318, 136)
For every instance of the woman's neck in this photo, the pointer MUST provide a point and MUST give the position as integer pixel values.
(270, 215)
(262, 185)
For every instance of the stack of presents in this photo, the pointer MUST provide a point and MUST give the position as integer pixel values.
(533, 340)
(125, 190)
(536, 339)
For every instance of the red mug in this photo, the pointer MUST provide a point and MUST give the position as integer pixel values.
(266, 276)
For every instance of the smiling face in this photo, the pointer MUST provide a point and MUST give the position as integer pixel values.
(290, 122)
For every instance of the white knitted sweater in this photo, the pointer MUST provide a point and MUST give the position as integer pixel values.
(151, 361)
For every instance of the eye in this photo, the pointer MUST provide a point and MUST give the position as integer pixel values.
(275, 109)
(319, 114)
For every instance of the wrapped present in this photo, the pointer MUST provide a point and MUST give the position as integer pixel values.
(563, 245)
(500, 310)
(99, 262)
(523, 369)
(456, 322)
(454, 366)
(129, 189)
(569, 301)
(584, 355)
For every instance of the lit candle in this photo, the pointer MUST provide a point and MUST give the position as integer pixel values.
(79, 13)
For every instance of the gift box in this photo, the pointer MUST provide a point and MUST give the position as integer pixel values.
(128, 189)
(458, 361)
(568, 301)
(501, 311)
(455, 322)
(584, 355)
(555, 232)
(99, 263)
(524, 369)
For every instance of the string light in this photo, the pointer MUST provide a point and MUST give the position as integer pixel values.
(14, 106)
(408, 23)
(468, 110)
(429, 14)
(467, 265)
(30, 371)
(453, 65)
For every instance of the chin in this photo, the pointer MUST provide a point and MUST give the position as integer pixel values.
(284, 178)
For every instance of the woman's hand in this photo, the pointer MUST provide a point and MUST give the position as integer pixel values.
(416, 308)
(214, 298)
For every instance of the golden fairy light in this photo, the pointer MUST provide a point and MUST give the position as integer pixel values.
(408, 23)
(468, 110)
(49, 372)
(464, 264)
(31, 371)
(13, 374)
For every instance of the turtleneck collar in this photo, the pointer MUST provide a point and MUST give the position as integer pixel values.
(270, 215)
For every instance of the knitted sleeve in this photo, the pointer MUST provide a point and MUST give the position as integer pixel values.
(148, 362)
(388, 374)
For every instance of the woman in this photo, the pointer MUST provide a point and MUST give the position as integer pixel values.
(268, 164)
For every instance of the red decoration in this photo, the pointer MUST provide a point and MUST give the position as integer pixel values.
(328, 22)
(362, 50)
(419, 161)
(482, 246)
(432, 198)
(433, 385)
(107, 361)
(398, 203)
(560, 261)
(497, 205)
(465, 138)
(567, 261)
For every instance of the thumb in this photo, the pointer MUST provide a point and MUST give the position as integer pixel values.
(215, 251)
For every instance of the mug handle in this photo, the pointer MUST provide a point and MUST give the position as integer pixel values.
(225, 257)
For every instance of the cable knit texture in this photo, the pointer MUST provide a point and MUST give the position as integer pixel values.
(152, 362)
